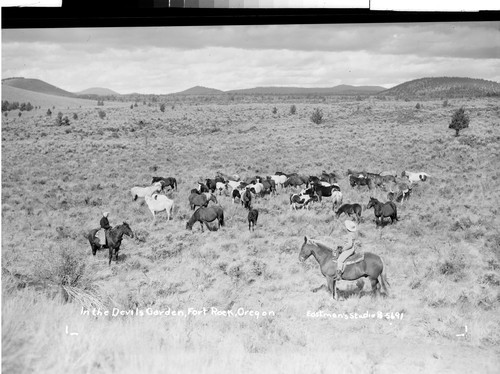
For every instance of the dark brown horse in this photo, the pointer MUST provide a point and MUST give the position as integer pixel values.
(372, 266)
(114, 238)
(253, 215)
(166, 182)
(95, 244)
(205, 215)
(382, 210)
(201, 199)
(350, 209)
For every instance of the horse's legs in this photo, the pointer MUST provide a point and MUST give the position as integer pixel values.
(330, 282)
(374, 283)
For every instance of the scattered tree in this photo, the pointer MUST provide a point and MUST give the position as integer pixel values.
(317, 116)
(75, 116)
(445, 103)
(459, 121)
(275, 110)
(162, 107)
(49, 112)
(418, 106)
(293, 109)
(101, 113)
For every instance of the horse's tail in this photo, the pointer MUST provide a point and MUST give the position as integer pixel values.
(221, 219)
(175, 184)
(383, 278)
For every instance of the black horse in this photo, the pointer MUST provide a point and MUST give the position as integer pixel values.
(350, 209)
(253, 215)
(114, 238)
(371, 266)
(383, 210)
(166, 182)
(246, 199)
(205, 215)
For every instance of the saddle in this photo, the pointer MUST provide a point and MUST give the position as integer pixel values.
(355, 258)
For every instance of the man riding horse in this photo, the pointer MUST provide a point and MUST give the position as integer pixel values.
(349, 246)
(104, 226)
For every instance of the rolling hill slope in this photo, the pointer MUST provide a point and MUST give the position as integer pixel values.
(99, 91)
(337, 90)
(36, 85)
(13, 94)
(445, 87)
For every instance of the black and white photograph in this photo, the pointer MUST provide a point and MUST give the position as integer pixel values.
(271, 198)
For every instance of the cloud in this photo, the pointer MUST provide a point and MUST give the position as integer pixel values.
(164, 60)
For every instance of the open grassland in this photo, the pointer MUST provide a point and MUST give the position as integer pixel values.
(442, 257)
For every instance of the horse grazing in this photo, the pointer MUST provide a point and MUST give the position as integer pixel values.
(337, 198)
(95, 244)
(166, 182)
(415, 177)
(360, 181)
(380, 180)
(253, 215)
(202, 188)
(356, 173)
(269, 185)
(350, 209)
(382, 210)
(114, 238)
(368, 265)
(301, 201)
(145, 191)
(160, 203)
(400, 196)
(227, 177)
(212, 183)
(205, 215)
(201, 199)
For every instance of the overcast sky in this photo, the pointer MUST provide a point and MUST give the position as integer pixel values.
(172, 59)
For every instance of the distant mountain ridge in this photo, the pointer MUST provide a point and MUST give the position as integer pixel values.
(36, 85)
(445, 87)
(342, 89)
(99, 91)
(200, 90)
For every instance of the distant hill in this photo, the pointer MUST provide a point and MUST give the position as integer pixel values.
(98, 91)
(12, 94)
(444, 87)
(199, 90)
(337, 90)
(36, 85)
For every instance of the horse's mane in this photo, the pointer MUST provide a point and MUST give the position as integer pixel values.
(320, 244)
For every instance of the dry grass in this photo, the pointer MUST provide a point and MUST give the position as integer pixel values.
(442, 257)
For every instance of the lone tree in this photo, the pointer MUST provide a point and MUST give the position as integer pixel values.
(459, 121)
(317, 116)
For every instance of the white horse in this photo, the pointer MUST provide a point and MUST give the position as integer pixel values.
(233, 184)
(145, 191)
(415, 177)
(159, 203)
(337, 198)
(219, 186)
(279, 179)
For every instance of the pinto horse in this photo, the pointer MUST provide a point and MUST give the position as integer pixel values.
(371, 266)
(415, 177)
(383, 210)
(205, 215)
(350, 209)
(114, 238)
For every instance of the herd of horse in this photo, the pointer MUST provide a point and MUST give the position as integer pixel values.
(246, 190)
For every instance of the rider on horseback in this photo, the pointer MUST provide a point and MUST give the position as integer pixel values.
(349, 247)
(105, 225)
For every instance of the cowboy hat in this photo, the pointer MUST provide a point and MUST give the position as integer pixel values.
(105, 214)
(350, 225)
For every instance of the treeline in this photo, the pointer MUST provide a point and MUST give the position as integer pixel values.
(6, 106)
